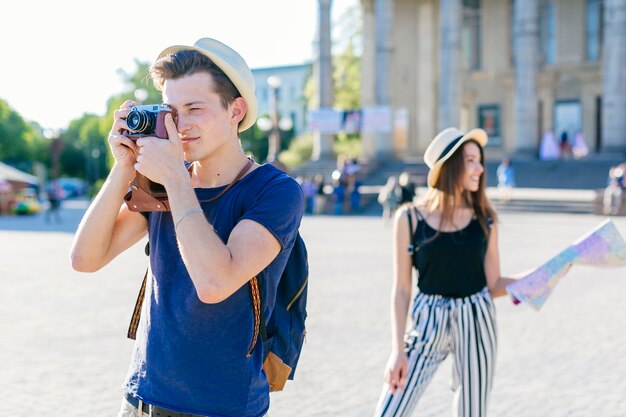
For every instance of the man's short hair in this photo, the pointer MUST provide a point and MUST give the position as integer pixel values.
(184, 63)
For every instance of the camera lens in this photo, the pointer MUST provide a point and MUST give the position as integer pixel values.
(139, 121)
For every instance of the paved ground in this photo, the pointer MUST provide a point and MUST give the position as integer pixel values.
(63, 350)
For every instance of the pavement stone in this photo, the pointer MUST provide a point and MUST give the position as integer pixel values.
(64, 352)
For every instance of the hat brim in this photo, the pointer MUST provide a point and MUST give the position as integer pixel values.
(235, 76)
(479, 135)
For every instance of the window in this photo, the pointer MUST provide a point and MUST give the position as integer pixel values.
(470, 35)
(594, 25)
(547, 28)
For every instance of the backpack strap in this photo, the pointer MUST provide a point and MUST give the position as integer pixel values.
(412, 241)
(256, 305)
(134, 320)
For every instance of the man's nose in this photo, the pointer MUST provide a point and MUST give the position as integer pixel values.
(182, 124)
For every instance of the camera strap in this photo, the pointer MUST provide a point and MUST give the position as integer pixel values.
(140, 199)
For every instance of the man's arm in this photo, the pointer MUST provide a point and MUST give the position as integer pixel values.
(217, 269)
(106, 230)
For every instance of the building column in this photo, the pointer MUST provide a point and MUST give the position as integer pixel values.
(383, 10)
(614, 77)
(450, 25)
(323, 73)
(525, 51)
(378, 23)
(368, 74)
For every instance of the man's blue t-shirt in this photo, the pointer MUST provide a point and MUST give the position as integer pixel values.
(189, 356)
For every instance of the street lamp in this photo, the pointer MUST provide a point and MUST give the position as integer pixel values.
(272, 124)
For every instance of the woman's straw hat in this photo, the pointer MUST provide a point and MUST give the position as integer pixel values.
(443, 146)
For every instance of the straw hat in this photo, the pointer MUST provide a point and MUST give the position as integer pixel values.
(235, 68)
(444, 145)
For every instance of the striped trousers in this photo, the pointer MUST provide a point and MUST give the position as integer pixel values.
(464, 327)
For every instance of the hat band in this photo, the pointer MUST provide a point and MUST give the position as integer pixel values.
(449, 147)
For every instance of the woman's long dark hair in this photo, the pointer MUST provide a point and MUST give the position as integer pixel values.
(443, 196)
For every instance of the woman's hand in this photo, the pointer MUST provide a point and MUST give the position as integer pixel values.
(396, 371)
(124, 149)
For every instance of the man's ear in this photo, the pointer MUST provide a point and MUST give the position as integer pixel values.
(239, 108)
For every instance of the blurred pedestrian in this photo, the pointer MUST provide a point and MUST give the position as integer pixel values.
(407, 188)
(320, 195)
(355, 194)
(612, 201)
(309, 189)
(339, 195)
(565, 145)
(579, 147)
(549, 148)
(55, 195)
(506, 180)
(451, 239)
(389, 197)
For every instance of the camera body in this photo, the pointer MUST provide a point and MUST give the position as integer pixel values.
(148, 120)
(143, 121)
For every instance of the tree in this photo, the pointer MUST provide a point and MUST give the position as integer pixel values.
(21, 142)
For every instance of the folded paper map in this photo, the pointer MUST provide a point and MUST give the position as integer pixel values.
(603, 246)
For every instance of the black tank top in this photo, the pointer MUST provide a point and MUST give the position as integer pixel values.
(452, 264)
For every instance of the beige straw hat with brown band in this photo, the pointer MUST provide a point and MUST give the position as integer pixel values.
(235, 68)
(444, 145)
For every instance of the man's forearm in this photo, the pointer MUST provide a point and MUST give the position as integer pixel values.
(204, 253)
(95, 232)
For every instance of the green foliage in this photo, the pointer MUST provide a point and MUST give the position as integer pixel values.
(87, 153)
(348, 47)
(21, 142)
(347, 62)
(299, 151)
(347, 145)
(347, 79)
(254, 141)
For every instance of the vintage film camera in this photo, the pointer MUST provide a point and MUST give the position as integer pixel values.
(148, 120)
(143, 121)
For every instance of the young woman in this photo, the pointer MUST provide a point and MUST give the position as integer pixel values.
(451, 238)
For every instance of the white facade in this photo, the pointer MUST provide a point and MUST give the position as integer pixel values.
(291, 100)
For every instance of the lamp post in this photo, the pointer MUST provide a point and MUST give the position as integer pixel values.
(272, 124)
(274, 136)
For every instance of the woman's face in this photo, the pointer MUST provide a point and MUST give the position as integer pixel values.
(473, 167)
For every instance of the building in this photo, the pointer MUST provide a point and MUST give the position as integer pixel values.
(290, 92)
(513, 67)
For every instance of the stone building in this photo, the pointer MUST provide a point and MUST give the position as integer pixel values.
(514, 67)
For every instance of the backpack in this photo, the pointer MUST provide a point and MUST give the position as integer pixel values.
(284, 334)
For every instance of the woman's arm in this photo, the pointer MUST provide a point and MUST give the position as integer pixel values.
(496, 283)
(396, 370)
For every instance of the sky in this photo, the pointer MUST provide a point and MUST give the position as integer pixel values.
(60, 59)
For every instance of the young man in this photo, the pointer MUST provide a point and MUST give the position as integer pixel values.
(197, 319)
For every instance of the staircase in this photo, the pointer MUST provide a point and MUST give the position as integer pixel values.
(567, 186)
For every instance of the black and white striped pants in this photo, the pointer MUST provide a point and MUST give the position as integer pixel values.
(464, 327)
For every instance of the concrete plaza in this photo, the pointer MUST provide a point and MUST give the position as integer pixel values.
(64, 352)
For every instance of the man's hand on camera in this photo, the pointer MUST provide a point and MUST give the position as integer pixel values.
(124, 149)
(162, 160)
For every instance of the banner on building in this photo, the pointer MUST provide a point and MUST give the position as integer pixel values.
(366, 120)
